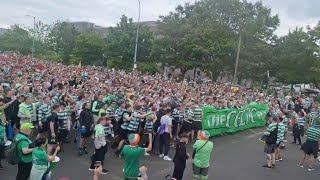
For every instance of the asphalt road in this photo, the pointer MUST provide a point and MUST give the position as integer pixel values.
(235, 157)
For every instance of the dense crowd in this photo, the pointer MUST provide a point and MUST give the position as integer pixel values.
(136, 113)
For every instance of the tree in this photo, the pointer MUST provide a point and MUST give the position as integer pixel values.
(296, 57)
(206, 34)
(41, 37)
(16, 39)
(89, 47)
(121, 44)
(62, 38)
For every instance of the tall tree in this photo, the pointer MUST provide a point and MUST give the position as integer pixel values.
(89, 47)
(16, 39)
(62, 38)
(296, 57)
(41, 36)
(206, 34)
(121, 43)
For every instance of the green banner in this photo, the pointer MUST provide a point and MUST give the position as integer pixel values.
(232, 120)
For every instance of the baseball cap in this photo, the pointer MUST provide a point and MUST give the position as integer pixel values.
(25, 126)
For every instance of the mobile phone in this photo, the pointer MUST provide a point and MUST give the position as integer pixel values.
(97, 164)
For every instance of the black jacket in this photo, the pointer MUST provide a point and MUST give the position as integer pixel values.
(86, 118)
(11, 112)
(181, 156)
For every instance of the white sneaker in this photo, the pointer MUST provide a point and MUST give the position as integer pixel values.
(161, 155)
(146, 154)
(166, 158)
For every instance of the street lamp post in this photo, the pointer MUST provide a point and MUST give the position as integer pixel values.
(137, 37)
(34, 32)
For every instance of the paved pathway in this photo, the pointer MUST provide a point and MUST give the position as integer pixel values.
(235, 157)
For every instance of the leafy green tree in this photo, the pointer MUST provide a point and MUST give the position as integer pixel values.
(41, 37)
(296, 57)
(16, 39)
(121, 44)
(89, 47)
(62, 38)
(206, 35)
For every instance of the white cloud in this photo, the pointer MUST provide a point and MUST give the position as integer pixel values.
(108, 12)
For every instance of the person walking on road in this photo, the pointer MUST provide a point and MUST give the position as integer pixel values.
(271, 143)
(86, 127)
(202, 150)
(100, 145)
(24, 151)
(310, 147)
(165, 132)
(180, 157)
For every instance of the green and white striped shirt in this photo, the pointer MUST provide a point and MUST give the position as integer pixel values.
(44, 111)
(197, 114)
(281, 131)
(63, 117)
(313, 134)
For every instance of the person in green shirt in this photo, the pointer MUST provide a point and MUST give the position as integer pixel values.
(202, 152)
(132, 155)
(24, 151)
(41, 159)
(104, 110)
(3, 140)
(100, 145)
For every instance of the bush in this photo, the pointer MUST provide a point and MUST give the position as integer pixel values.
(151, 68)
(50, 56)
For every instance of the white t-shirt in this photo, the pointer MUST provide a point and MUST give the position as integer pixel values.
(166, 120)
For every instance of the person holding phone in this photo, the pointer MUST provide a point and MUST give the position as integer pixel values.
(100, 145)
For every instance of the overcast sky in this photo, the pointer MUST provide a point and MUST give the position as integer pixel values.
(107, 12)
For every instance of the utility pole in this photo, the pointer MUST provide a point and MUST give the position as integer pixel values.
(137, 37)
(237, 61)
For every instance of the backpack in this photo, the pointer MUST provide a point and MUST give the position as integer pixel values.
(272, 138)
(11, 152)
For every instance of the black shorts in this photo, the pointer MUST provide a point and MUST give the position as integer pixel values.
(196, 125)
(63, 134)
(174, 127)
(52, 140)
(310, 148)
(186, 127)
(123, 134)
(270, 148)
(44, 128)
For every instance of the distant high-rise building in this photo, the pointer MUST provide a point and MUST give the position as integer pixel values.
(83, 26)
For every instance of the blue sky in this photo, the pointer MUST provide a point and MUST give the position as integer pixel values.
(107, 12)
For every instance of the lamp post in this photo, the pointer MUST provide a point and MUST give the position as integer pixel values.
(34, 31)
(137, 37)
